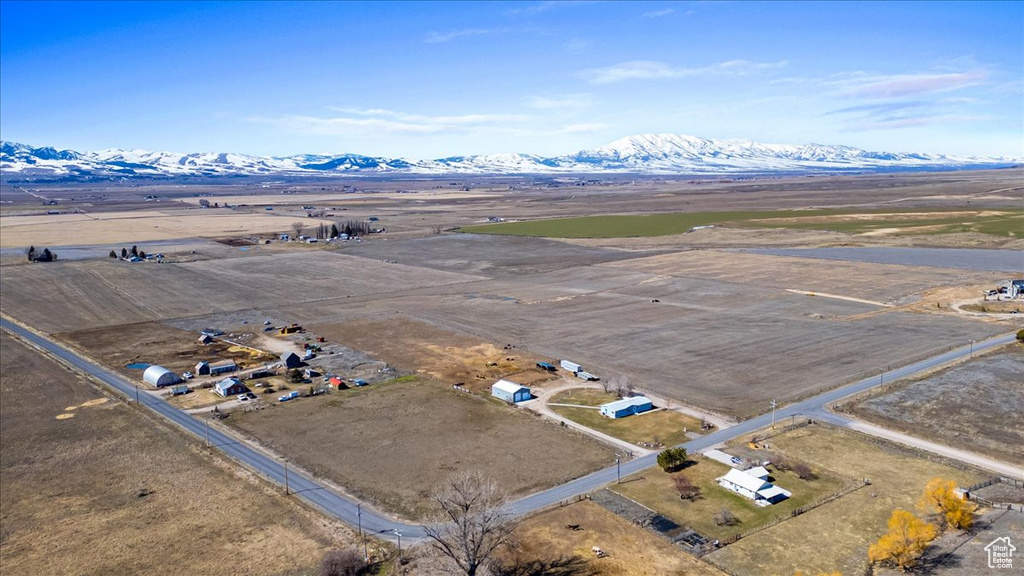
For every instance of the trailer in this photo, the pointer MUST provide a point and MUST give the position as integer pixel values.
(546, 366)
(289, 396)
(587, 376)
(570, 366)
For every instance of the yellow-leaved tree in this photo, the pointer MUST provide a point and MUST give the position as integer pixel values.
(905, 542)
(940, 498)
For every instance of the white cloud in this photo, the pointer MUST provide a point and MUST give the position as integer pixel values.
(658, 13)
(440, 37)
(650, 69)
(566, 101)
(902, 85)
(582, 128)
(390, 121)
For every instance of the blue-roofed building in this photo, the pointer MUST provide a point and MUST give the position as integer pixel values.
(626, 407)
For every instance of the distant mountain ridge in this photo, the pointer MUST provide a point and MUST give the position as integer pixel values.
(656, 154)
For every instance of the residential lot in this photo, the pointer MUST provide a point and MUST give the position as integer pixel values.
(845, 527)
(631, 550)
(664, 427)
(394, 443)
(975, 406)
(90, 486)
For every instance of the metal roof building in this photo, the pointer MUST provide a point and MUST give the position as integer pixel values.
(159, 376)
(757, 489)
(230, 387)
(510, 391)
(626, 407)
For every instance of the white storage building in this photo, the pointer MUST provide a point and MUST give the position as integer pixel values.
(159, 376)
(510, 391)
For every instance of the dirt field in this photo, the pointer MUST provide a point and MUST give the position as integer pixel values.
(394, 443)
(843, 528)
(632, 551)
(155, 343)
(139, 226)
(443, 354)
(975, 406)
(965, 555)
(74, 463)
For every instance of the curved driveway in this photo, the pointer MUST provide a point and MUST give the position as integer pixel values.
(344, 508)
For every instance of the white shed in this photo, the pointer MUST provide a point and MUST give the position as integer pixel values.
(510, 391)
(159, 376)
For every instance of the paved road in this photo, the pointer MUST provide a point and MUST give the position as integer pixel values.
(344, 508)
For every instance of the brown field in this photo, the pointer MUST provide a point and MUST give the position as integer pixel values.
(442, 354)
(74, 462)
(393, 443)
(139, 226)
(632, 551)
(842, 529)
(975, 406)
(154, 343)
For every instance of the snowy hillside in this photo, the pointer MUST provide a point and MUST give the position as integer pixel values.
(643, 154)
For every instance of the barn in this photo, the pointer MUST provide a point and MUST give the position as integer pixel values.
(230, 387)
(223, 367)
(159, 376)
(510, 391)
(291, 360)
(203, 369)
(626, 407)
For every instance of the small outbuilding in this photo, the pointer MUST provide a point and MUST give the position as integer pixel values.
(205, 339)
(291, 360)
(230, 387)
(510, 391)
(626, 407)
(159, 376)
(179, 389)
(337, 383)
(223, 367)
(203, 369)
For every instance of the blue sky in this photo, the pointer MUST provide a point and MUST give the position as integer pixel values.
(426, 80)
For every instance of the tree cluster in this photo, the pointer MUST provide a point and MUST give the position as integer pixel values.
(44, 255)
(909, 536)
(725, 517)
(342, 563)
(672, 459)
(686, 488)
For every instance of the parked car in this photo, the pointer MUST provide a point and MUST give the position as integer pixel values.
(186, 375)
(243, 398)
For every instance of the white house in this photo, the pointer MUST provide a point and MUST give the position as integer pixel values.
(626, 407)
(758, 489)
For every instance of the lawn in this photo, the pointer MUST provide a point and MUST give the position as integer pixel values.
(584, 397)
(662, 426)
(917, 221)
(844, 528)
(655, 489)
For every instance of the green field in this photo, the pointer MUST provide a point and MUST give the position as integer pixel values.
(1008, 223)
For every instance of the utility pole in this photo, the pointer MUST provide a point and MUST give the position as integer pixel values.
(136, 393)
(286, 490)
(774, 404)
(359, 516)
(207, 420)
(972, 349)
(399, 534)
(618, 470)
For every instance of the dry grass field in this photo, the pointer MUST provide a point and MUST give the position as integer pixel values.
(666, 427)
(394, 443)
(655, 489)
(842, 529)
(139, 226)
(975, 406)
(632, 551)
(154, 343)
(74, 463)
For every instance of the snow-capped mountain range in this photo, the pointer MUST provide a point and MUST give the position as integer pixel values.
(662, 154)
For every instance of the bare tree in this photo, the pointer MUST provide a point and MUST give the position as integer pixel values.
(477, 521)
(298, 227)
(725, 517)
(686, 488)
